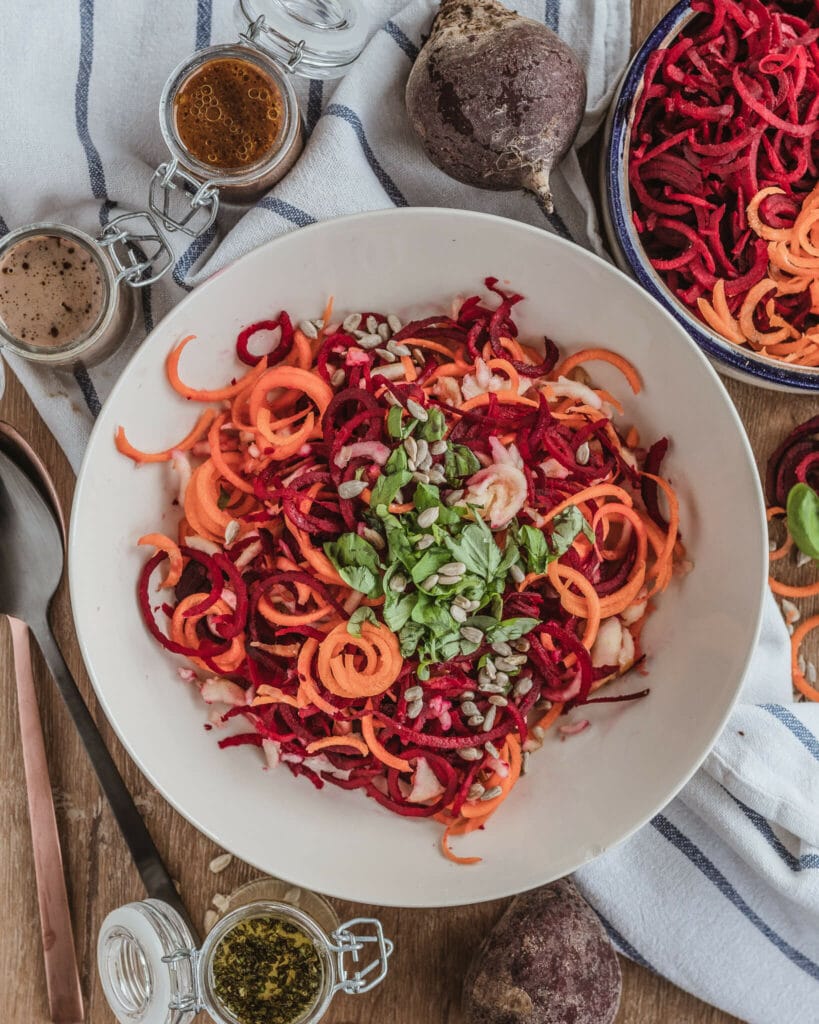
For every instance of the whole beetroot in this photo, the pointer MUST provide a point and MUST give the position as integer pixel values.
(547, 961)
(496, 98)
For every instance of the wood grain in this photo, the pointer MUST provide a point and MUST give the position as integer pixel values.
(434, 946)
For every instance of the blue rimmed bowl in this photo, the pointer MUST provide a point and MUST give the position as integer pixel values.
(729, 359)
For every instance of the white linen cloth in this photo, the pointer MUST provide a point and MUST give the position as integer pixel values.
(720, 892)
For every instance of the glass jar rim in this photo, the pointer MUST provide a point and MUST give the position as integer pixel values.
(287, 133)
(76, 347)
(282, 911)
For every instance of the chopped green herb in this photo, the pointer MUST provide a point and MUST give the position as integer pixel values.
(266, 971)
(224, 498)
(361, 614)
(357, 563)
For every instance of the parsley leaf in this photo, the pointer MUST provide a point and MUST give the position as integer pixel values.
(357, 563)
(361, 614)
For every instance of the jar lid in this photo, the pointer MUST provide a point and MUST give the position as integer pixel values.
(146, 959)
(313, 38)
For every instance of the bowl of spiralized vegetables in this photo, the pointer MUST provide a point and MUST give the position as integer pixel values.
(710, 183)
(417, 557)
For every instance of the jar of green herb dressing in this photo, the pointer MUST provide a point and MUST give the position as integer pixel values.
(265, 961)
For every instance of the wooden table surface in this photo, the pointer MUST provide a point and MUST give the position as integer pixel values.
(423, 986)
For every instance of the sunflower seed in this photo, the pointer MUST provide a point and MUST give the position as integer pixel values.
(374, 538)
(490, 688)
(801, 664)
(419, 356)
(369, 341)
(420, 477)
(543, 705)
(521, 645)
(385, 333)
(411, 466)
(509, 664)
(524, 762)
(538, 732)
(399, 350)
(437, 476)
(453, 569)
(308, 329)
(399, 583)
(351, 488)
(386, 355)
(462, 602)
(372, 324)
(416, 410)
(466, 695)
(491, 671)
(411, 448)
(338, 378)
(801, 558)
(811, 673)
(469, 708)
(220, 863)
(392, 400)
(470, 753)
(498, 700)
(424, 541)
(502, 679)
(772, 545)
(220, 901)
(438, 447)
(474, 721)
(473, 606)
(430, 582)
(457, 613)
(231, 532)
(490, 794)
(475, 791)
(453, 497)
(415, 709)
(489, 719)
(211, 917)
(792, 613)
(491, 749)
(501, 647)
(423, 451)
(394, 322)
(359, 335)
(351, 322)
(428, 517)
(517, 574)
(424, 461)
(582, 454)
(523, 686)
(789, 627)
(471, 634)
(413, 693)
(393, 371)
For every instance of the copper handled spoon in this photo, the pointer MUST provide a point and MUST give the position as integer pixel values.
(62, 976)
(31, 552)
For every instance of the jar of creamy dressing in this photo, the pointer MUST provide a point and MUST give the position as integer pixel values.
(277, 955)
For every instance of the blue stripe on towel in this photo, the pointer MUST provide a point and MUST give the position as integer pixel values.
(623, 944)
(805, 862)
(315, 98)
(204, 12)
(89, 392)
(406, 44)
(551, 14)
(792, 723)
(190, 256)
(95, 171)
(350, 116)
(715, 876)
(287, 211)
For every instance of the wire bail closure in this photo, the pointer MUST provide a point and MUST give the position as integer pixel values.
(171, 186)
(140, 253)
(353, 943)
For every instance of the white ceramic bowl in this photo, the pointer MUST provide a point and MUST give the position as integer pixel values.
(581, 795)
(733, 361)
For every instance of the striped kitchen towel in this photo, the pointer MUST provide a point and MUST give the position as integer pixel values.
(720, 892)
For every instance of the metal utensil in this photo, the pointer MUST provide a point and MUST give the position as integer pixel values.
(31, 554)
(59, 954)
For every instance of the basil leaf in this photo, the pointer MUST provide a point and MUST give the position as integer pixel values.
(533, 542)
(512, 629)
(357, 563)
(359, 577)
(361, 614)
(398, 460)
(803, 518)
(510, 556)
(459, 462)
(426, 496)
(387, 486)
(565, 527)
(435, 426)
(476, 548)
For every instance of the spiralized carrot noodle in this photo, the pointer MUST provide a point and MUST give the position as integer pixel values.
(394, 568)
(799, 680)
